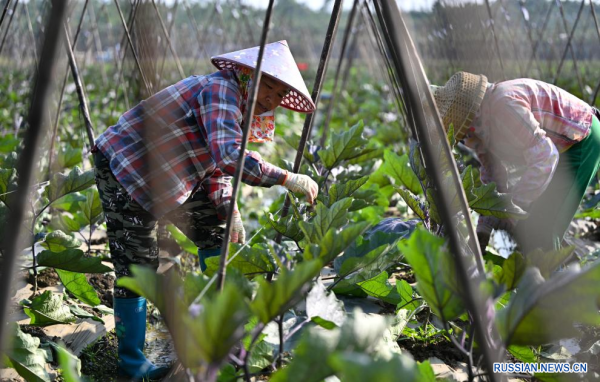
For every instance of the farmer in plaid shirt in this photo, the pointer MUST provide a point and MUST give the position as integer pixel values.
(548, 134)
(173, 156)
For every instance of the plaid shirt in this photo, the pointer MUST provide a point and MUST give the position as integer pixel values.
(184, 137)
(527, 123)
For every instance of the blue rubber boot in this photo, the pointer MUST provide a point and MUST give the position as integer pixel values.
(203, 254)
(130, 319)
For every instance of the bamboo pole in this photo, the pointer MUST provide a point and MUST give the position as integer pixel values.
(169, 43)
(12, 16)
(29, 159)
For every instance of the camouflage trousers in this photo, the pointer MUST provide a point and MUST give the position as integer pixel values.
(132, 231)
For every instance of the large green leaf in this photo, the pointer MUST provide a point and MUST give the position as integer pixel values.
(217, 328)
(335, 242)
(8, 183)
(343, 146)
(359, 367)
(359, 332)
(287, 226)
(92, 208)
(70, 365)
(48, 309)
(548, 262)
(546, 310)
(434, 266)
(26, 357)
(72, 260)
(250, 261)
(69, 156)
(77, 284)
(59, 241)
(512, 270)
(64, 222)
(273, 299)
(399, 169)
(324, 308)
(406, 293)
(380, 288)
(183, 241)
(413, 202)
(70, 202)
(62, 184)
(486, 200)
(335, 216)
(339, 191)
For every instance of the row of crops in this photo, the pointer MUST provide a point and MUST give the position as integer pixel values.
(363, 285)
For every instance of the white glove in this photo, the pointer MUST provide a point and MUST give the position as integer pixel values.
(302, 183)
(238, 233)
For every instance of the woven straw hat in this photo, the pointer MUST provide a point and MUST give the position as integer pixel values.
(278, 63)
(459, 100)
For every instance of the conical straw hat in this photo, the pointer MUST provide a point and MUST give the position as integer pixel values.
(279, 64)
(459, 100)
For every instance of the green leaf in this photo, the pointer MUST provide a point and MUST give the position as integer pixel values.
(8, 183)
(486, 200)
(261, 356)
(69, 364)
(252, 261)
(216, 329)
(48, 309)
(567, 297)
(9, 143)
(66, 223)
(412, 201)
(416, 164)
(512, 270)
(69, 156)
(72, 260)
(77, 284)
(92, 208)
(273, 299)
(434, 266)
(62, 184)
(398, 168)
(523, 353)
(183, 241)
(343, 146)
(548, 262)
(324, 308)
(450, 136)
(287, 226)
(339, 191)
(405, 291)
(26, 357)
(79, 312)
(593, 213)
(336, 242)
(70, 202)
(59, 241)
(380, 288)
(294, 141)
(335, 216)
(359, 367)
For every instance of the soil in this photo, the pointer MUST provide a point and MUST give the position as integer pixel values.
(103, 284)
(99, 361)
(443, 350)
(46, 278)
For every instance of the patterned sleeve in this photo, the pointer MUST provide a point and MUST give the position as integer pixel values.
(219, 190)
(220, 116)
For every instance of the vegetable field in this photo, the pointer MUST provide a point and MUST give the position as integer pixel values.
(381, 279)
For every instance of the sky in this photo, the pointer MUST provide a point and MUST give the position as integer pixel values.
(405, 5)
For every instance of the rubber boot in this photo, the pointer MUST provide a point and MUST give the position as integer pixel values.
(203, 254)
(130, 320)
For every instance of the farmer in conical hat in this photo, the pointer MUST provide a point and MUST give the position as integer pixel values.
(173, 156)
(552, 136)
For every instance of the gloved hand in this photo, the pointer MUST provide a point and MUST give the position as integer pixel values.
(238, 233)
(302, 183)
